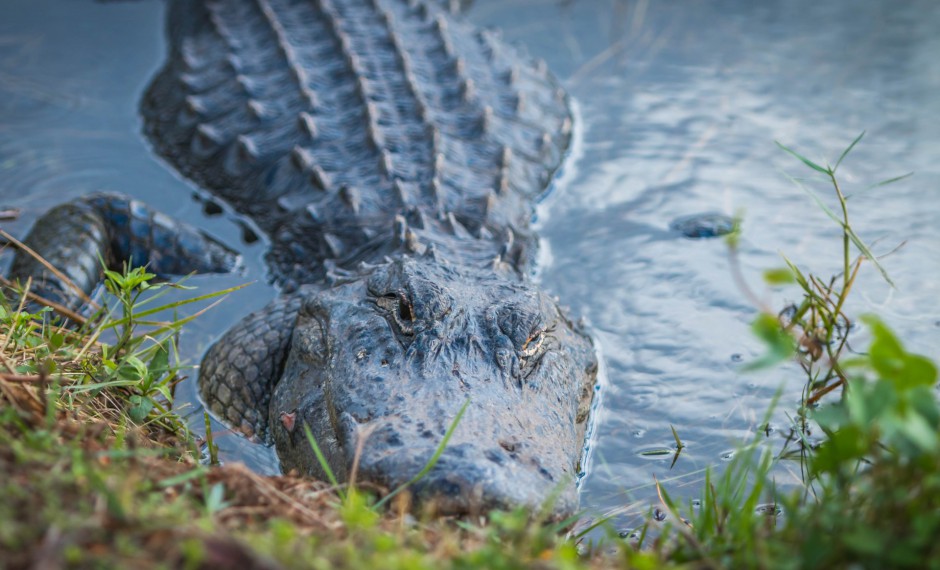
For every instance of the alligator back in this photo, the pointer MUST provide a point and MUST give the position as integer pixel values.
(325, 119)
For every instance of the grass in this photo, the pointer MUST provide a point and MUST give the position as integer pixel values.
(99, 472)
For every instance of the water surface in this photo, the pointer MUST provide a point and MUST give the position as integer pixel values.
(680, 105)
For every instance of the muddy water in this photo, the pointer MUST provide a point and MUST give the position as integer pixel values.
(680, 104)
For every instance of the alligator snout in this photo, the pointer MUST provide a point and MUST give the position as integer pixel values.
(468, 478)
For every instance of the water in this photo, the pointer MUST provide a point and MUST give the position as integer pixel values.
(680, 104)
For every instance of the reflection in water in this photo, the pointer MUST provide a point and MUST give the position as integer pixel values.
(680, 105)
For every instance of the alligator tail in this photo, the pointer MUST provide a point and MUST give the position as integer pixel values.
(72, 236)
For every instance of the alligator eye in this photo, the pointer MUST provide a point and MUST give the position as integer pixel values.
(533, 343)
(405, 312)
(401, 311)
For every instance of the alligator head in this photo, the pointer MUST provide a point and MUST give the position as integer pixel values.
(380, 366)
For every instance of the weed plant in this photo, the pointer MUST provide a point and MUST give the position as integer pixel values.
(871, 488)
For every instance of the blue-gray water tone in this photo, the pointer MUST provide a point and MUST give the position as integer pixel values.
(680, 104)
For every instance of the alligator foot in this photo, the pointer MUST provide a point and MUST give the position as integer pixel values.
(72, 236)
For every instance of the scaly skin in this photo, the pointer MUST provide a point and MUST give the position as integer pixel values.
(393, 155)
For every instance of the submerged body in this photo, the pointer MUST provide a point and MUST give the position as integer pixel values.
(393, 156)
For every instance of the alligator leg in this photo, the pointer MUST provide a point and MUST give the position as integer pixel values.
(238, 374)
(72, 236)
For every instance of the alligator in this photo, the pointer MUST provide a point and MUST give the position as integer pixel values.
(393, 155)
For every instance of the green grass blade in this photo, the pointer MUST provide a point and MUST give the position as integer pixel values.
(847, 151)
(880, 184)
(867, 253)
(803, 159)
(890, 180)
(137, 316)
(800, 278)
(822, 205)
(321, 459)
(432, 461)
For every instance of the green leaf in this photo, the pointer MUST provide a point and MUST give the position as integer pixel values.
(804, 160)
(215, 499)
(141, 406)
(798, 275)
(893, 363)
(847, 445)
(848, 150)
(779, 343)
(779, 276)
(675, 435)
(658, 452)
(919, 432)
(56, 340)
(160, 363)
